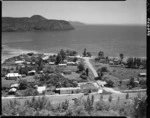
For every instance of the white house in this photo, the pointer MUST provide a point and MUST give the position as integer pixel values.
(51, 63)
(9, 75)
(41, 89)
(19, 62)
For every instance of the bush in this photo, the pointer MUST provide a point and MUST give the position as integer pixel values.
(100, 106)
(23, 84)
(30, 92)
(37, 104)
(79, 111)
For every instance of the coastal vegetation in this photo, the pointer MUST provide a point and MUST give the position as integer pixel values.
(43, 107)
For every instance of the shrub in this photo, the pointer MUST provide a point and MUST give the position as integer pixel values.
(127, 96)
(23, 84)
(140, 105)
(110, 98)
(37, 104)
(79, 111)
(65, 105)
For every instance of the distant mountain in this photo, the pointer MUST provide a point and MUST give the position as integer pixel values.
(75, 23)
(34, 23)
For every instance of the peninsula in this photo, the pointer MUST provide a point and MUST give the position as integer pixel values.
(34, 23)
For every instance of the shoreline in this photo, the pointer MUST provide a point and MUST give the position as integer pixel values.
(8, 52)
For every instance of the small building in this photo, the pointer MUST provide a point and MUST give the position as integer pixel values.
(14, 76)
(32, 72)
(142, 75)
(28, 62)
(12, 91)
(41, 89)
(45, 58)
(51, 63)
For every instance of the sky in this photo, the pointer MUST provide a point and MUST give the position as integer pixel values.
(89, 12)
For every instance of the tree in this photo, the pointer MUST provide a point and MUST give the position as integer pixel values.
(23, 84)
(84, 53)
(121, 56)
(87, 71)
(110, 98)
(101, 54)
(63, 54)
(131, 83)
(58, 59)
(81, 67)
(75, 59)
(127, 96)
(89, 54)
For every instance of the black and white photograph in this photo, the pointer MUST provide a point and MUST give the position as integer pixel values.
(74, 58)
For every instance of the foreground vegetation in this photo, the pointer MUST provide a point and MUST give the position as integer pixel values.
(135, 108)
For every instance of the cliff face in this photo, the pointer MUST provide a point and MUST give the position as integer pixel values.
(33, 23)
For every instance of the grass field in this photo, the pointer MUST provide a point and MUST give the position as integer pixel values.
(119, 72)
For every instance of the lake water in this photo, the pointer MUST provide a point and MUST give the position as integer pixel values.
(113, 40)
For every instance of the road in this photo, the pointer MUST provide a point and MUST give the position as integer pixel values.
(105, 89)
(56, 99)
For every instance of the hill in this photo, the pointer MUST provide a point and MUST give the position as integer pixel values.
(34, 23)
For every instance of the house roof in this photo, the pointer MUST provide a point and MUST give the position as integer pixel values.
(14, 85)
(13, 90)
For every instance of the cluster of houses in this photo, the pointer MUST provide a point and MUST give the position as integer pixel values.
(81, 88)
